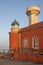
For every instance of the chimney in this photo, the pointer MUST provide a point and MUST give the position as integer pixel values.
(32, 14)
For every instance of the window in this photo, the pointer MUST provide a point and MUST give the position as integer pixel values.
(35, 42)
(25, 42)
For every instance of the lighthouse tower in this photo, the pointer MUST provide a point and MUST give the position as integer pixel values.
(32, 13)
(14, 35)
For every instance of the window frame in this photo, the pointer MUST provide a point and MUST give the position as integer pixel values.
(26, 46)
(35, 42)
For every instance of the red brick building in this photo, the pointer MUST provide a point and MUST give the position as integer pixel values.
(27, 43)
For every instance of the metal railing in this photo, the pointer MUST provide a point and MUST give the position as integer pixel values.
(27, 51)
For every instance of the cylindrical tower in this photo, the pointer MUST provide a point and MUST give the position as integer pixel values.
(14, 35)
(32, 13)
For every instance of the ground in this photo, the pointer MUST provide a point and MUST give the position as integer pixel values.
(14, 62)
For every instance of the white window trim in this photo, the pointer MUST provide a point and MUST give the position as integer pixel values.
(33, 42)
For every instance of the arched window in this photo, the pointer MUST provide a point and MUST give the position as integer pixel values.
(35, 42)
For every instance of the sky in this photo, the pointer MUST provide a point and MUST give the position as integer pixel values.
(11, 10)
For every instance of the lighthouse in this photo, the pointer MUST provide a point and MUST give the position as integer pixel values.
(14, 35)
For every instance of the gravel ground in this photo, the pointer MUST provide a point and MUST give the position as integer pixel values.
(13, 62)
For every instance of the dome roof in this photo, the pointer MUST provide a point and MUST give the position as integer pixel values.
(15, 23)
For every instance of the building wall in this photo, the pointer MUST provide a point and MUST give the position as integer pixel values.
(35, 30)
(13, 40)
(30, 34)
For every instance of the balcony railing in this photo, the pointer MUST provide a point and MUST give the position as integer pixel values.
(27, 51)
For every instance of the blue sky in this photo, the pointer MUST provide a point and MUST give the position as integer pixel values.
(11, 10)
